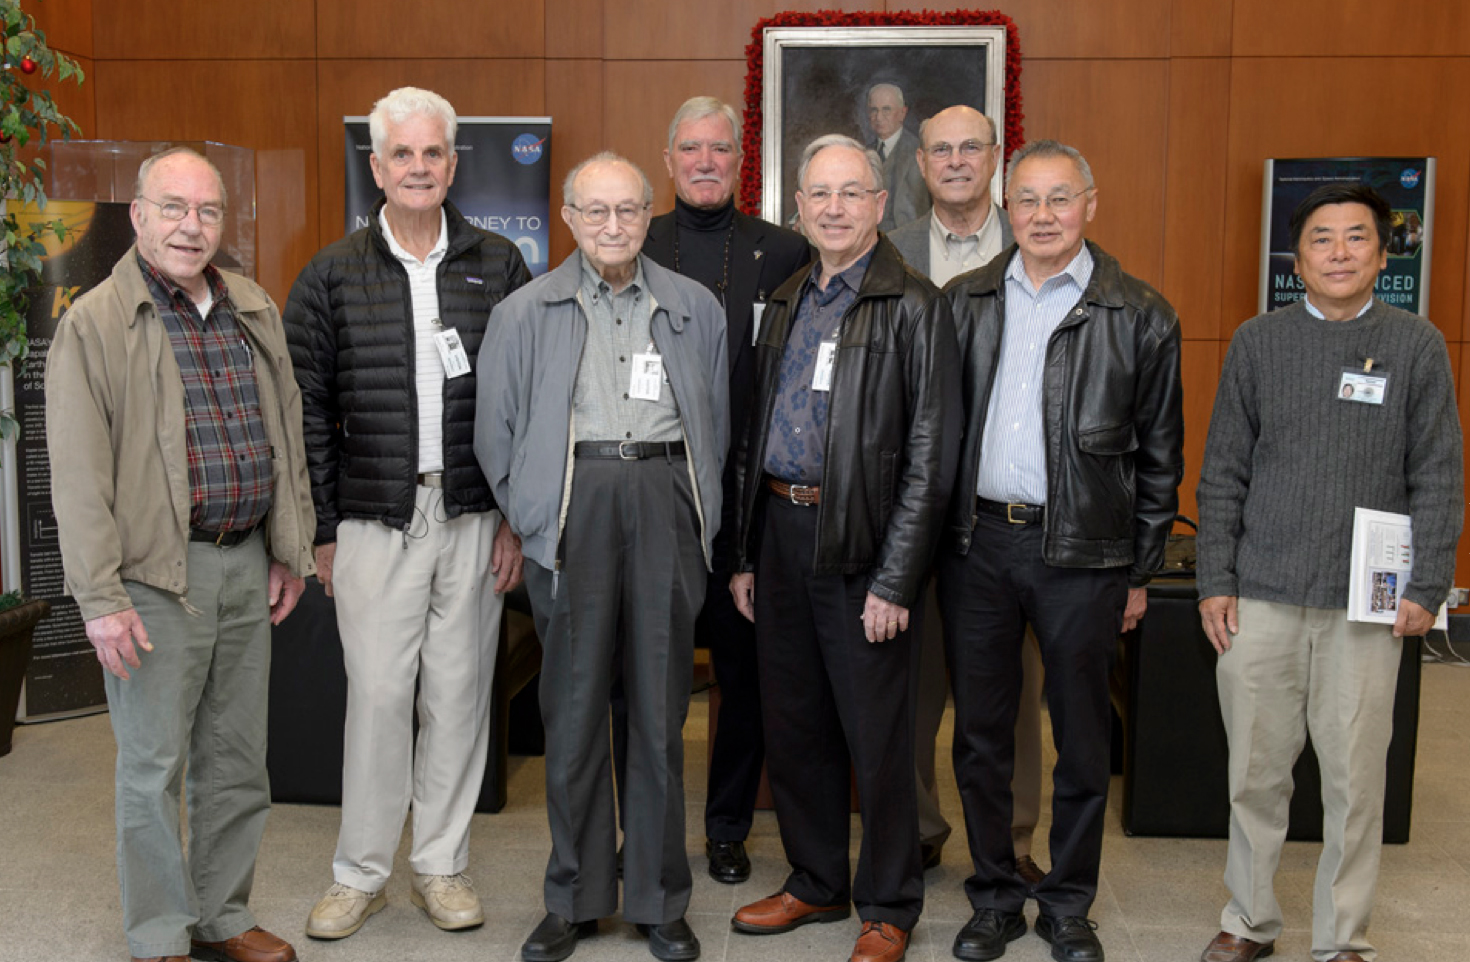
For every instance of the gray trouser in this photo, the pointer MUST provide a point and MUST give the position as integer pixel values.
(631, 559)
(199, 697)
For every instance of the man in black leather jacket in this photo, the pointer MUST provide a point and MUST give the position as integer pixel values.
(844, 477)
(385, 328)
(1063, 501)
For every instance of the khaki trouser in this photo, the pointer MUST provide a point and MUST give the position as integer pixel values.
(1292, 670)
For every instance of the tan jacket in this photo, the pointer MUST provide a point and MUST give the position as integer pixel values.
(119, 458)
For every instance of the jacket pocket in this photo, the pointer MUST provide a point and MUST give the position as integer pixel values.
(1108, 441)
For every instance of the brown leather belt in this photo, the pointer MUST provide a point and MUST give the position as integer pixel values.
(803, 494)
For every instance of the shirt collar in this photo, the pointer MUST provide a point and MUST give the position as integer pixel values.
(942, 234)
(890, 144)
(1312, 309)
(852, 277)
(1079, 270)
(159, 284)
(438, 250)
(595, 285)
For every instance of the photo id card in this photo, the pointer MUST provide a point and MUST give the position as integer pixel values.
(755, 322)
(826, 361)
(451, 353)
(647, 378)
(1362, 387)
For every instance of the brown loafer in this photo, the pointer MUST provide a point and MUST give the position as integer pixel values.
(1029, 871)
(252, 945)
(880, 942)
(783, 912)
(1232, 948)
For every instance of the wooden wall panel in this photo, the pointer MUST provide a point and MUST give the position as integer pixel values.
(1194, 191)
(1316, 107)
(1074, 29)
(276, 113)
(672, 30)
(77, 101)
(640, 100)
(1199, 29)
(1352, 28)
(1459, 358)
(211, 31)
(573, 29)
(1076, 102)
(486, 88)
(574, 91)
(66, 23)
(1200, 372)
(429, 29)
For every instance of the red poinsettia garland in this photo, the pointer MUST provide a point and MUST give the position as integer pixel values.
(750, 168)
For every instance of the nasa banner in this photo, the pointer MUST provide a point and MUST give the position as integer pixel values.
(1407, 183)
(502, 182)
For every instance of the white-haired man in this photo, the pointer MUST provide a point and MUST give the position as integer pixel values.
(185, 524)
(896, 146)
(602, 425)
(843, 479)
(384, 326)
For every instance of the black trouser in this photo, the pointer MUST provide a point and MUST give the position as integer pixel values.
(987, 599)
(830, 696)
(739, 748)
(632, 564)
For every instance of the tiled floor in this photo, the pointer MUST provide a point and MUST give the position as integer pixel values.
(1159, 900)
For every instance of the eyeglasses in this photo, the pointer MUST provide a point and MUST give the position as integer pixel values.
(597, 216)
(210, 215)
(849, 195)
(1056, 203)
(969, 149)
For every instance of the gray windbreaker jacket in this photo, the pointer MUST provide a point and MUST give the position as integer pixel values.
(528, 367)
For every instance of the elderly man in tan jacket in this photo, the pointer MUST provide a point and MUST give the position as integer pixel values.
(174, 422)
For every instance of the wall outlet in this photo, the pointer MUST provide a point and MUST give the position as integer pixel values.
(1459, 597)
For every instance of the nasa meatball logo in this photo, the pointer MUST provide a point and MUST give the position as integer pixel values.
(1409, 179)
(526, 148)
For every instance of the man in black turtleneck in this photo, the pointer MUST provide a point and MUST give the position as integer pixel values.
(742, 260)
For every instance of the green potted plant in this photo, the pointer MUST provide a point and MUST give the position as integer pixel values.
(18, 619)
(27, 116)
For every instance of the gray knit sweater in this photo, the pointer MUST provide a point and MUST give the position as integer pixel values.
(1287, 460)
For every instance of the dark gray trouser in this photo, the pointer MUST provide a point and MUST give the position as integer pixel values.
(199, 696)
(631, 558)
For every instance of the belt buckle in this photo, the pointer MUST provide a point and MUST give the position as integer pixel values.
(624, 455)
(791, 493)
(219, 539)
(1010, 516)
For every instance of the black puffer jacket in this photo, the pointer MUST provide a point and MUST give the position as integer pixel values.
(893, 427)
(1114, 413)
(349, 321)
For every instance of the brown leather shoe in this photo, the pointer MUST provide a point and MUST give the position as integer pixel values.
(1029, 871)
(880, 942)
(1346, 957)
(253, 945)
(1232, 948)
(783, 912)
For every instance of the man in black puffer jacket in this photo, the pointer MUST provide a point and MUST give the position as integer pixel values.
(385, 326)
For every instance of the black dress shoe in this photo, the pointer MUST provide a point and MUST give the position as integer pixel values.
(555, 938)
(1072, 938)
(728, 862)
(984, 937)
(672, 941)
(930, 855)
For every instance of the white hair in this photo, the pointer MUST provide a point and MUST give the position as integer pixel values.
(698, 108)
(568, 194)
(838, 140)
(406, 102)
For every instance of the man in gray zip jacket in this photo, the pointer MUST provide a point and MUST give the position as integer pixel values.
(602, 426)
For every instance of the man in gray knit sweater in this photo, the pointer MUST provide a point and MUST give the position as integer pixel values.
(1290, 455)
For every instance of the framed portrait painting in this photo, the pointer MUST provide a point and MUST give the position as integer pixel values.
(817, 80)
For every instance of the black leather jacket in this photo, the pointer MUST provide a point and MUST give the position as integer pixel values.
(349, 321)
(1114, 417)
(892, 429)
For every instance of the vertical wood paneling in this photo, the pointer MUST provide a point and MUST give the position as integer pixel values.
(1199, 371)
(665, 30)
(1194, 191)
(1351, 28)
(429, 29)
(204, 31)
(574, 29)
(574, 99)
(66, 23)
(1199, 29)
(1080, 29)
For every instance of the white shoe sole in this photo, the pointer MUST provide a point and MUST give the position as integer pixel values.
(376, 905)
(421, 902)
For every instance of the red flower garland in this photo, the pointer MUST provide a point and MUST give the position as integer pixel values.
(750, 167)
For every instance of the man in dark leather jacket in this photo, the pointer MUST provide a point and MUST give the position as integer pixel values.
(841, 506)
(385, 326)
(1064, 497)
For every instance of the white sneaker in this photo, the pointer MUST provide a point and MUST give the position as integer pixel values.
(450, 900)
(342, 911)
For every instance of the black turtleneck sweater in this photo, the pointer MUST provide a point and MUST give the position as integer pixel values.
(702, 244)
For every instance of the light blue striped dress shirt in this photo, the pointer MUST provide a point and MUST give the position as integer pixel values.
(1013, 451)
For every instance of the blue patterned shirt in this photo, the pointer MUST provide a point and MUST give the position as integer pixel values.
(798, 429)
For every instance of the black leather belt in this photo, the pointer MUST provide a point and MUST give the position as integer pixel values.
(224, 539)
(803, 494)
(629, 450)
(1013, 513)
